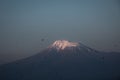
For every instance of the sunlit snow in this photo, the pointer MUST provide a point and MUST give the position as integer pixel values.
(62, 44)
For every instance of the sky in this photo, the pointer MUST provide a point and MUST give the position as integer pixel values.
(29, 26)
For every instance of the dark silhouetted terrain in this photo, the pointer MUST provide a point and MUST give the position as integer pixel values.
(65, 60)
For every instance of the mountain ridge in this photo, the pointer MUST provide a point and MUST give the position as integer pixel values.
(67, 63)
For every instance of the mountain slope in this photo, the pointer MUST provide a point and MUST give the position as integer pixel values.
(64, 60)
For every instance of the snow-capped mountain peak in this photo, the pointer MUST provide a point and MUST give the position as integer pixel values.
(62, 44)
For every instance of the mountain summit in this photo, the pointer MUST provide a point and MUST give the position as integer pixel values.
(63, 44)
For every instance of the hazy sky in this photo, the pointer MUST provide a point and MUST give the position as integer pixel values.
(23, 23)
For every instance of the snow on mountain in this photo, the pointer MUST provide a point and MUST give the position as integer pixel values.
(63, 44)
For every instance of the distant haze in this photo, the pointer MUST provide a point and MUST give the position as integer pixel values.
(29, 26)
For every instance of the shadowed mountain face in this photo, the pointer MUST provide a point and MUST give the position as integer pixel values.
(64, 60)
